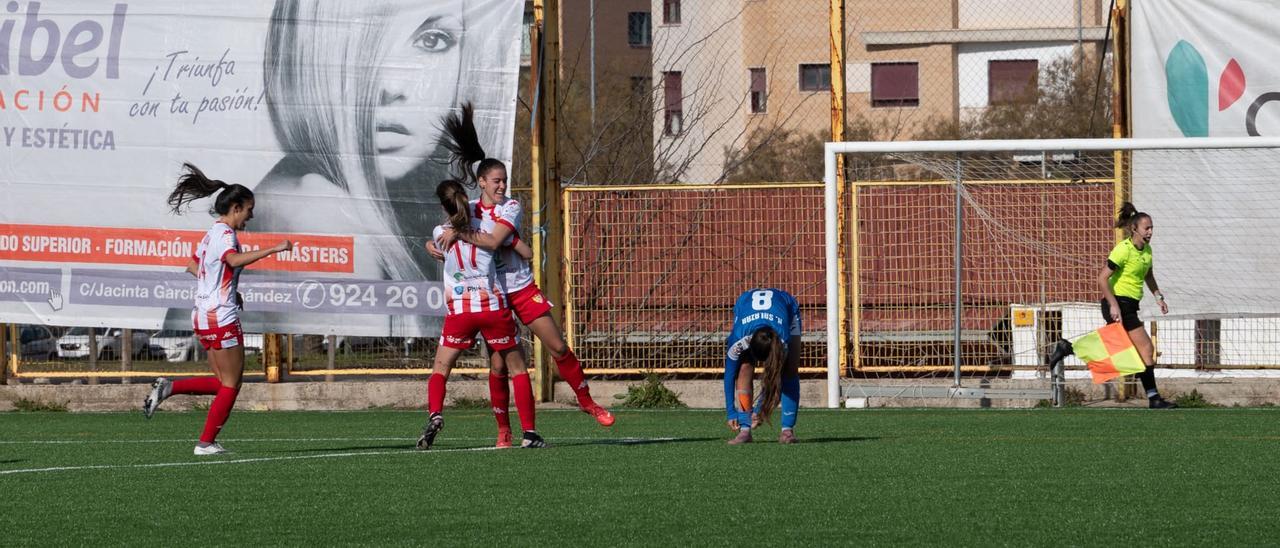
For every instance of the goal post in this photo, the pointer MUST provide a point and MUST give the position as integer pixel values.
(966, 257)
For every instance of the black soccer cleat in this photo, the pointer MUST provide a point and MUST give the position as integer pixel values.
(1061, 350)
(433, 427)
(1161, 403)
(533, 441)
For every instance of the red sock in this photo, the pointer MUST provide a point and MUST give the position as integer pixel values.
(196, 385)
(524, 400)
(571, 371)
(435, 393)
(500, 396)
(218, 413)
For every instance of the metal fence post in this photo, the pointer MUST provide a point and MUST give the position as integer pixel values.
(126, 353)
(271, 356)
(93, 354)
(959, 265)
(6, 355)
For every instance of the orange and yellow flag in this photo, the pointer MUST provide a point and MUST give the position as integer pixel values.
(1109, 353)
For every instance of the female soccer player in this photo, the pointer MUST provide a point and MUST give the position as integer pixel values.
(1128, 266)
(478, 303)
(766, 332)
(216, 315)
(499, 216)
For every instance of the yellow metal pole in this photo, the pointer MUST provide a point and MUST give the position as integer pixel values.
(566, 224)
(545, 73)
(15, 352)
(837, 135)
(4, 355)
(271, 356)
(1119, 121)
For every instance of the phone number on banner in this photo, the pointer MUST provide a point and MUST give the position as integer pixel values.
(261, 293)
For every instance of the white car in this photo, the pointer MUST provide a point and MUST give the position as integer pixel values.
(175, 345)
(75, 343)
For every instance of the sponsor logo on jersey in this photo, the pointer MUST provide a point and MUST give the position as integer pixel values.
(457, 290)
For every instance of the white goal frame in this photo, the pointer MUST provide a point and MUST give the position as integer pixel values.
(835, 329)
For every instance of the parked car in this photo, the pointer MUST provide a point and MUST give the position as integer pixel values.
(174, 345)
(75, 343)
(389, 345)
(36, 342)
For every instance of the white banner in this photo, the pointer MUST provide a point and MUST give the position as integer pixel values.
(329, 110)
(1206, 68)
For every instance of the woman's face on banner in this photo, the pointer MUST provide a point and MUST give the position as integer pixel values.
(418, 82)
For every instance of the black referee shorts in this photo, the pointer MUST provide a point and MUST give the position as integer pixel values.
(1128, 313)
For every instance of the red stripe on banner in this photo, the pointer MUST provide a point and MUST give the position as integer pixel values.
(161, 247)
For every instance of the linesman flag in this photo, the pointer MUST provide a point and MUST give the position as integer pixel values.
(1109, 353)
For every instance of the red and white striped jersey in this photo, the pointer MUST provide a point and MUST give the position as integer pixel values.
(470, 281)
(216, 281)
(513, 269)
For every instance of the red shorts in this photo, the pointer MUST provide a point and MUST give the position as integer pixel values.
(220, 338)
(496, 326)
(529, 303)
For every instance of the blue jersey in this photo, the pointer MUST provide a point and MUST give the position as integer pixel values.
(772, 308)
(756, 308)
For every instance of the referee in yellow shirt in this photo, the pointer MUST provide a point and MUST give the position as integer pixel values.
(1128, 266)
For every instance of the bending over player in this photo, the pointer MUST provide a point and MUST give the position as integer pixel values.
(766, 332)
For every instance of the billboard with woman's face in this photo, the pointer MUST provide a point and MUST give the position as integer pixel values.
(329, 110)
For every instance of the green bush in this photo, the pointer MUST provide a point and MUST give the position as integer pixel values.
(34, 405)
(1193, 400)
(1071, 397)
(651, 394)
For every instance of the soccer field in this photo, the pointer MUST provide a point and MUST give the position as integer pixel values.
(980, 477)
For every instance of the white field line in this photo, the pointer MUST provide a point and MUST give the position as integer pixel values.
(301, 440)
(253, 460)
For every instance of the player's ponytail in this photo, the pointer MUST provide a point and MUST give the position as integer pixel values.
(463, 143)
(194, 185)
(767, 352)
(453, 198)
(1129, 217)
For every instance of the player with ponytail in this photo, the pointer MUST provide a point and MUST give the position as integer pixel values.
(1128, 266)
(477, 303)
(216, 265)
(499, 217)
(765, 333)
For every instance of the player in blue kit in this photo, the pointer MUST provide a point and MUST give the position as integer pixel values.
(766, 332)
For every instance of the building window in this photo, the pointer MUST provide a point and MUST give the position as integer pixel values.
(895, 84)
(673, 93)
(759, 91)
(638, 29)
(525, 47)
(1012, 81)
(815, 77)
(641, 86)
(671, 12)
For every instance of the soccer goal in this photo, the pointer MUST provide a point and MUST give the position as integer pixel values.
(953, 265)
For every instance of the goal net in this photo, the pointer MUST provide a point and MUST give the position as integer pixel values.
(953, 265)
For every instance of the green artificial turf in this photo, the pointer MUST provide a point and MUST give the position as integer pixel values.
(938, 477)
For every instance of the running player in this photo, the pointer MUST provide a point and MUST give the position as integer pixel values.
(1128, 266)
(477, 303)
(499, 216)
(766, 332)
(216, 315)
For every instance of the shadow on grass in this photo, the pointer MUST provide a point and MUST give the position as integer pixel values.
(12, 461)
(836, 439)
(553, 442)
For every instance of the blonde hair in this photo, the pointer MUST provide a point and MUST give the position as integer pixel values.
(322, 104)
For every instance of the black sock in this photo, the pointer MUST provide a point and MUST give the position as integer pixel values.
(1148, 378)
